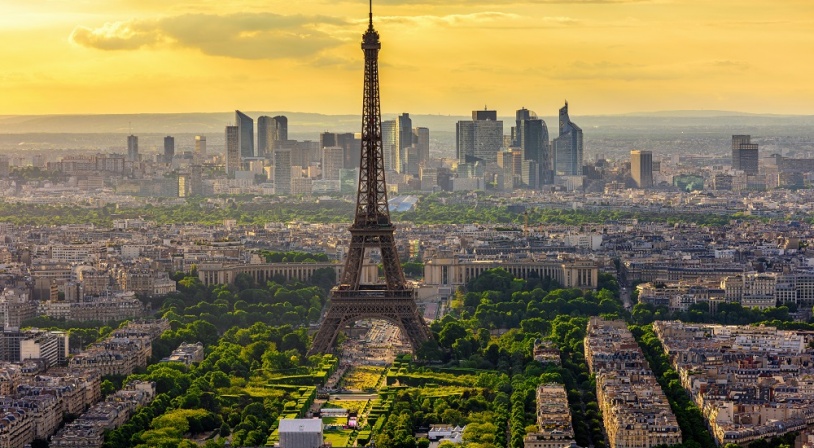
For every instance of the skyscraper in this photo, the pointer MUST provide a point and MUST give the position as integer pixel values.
(479, 139)
(282, 171)
(169, 149)
(410, 162)
(390, 144)
(421, 137)
(232, 149)
(641, 168)
(245, 134)
(404, 139)
(279, 131)
(132, 148)
(744, 154)
(196, 181)
(347, 142)
(333, 160)
(200, 145)
(531, 136)
(568, 146)
(265, 135)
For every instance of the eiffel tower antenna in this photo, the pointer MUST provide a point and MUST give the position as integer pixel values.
(352, 300)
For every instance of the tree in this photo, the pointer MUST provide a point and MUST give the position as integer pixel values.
(324, 278)
(451, 332)
(107, 387)
(492, 280)
(244, 281)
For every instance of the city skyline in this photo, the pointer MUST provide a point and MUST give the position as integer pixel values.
(610, 57)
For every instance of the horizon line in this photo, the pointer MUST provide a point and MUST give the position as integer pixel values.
(618, 114)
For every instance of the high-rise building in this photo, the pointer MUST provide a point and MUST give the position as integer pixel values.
(132, 148)
(347, 142)
(245, 134)
(390, 144)
(641, 168)
(200, 145)
(196, 181)
(404, 139)
(411, 161)
(183, 185)
(479, 139)
(428, 177)
(744, 154)
(333, 160)
(232, 150)
(279, 131)
(328, 139)
(529, 175)
(303, 153)
(169, 149)
(265, 135)
(568, 146)
(421, 137)
(506, 161)
(282, 171)
(531, 135)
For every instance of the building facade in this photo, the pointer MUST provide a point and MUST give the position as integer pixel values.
(458, 271)
(744, 154)
(480, 139)
(232, 150)
(530, 135)
(245, 134)
(169, 148)
(568, 146)
(641, 168)
(132, 148)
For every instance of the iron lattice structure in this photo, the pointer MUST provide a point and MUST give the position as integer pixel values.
(351, 300)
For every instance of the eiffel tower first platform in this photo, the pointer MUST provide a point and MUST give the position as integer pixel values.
(350, 301)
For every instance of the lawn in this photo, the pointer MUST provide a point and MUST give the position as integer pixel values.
(338, 439)
(361, 378)
(264, 392)
(350, 405)
(335, 421)
(442, 391)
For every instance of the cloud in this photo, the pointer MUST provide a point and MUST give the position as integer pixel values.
(449, 20)
(113, 36)
(334, 62)
(265, 35)
(242, 35)
(604, 70)
(728, 64)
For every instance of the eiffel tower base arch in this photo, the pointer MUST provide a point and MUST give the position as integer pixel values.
(396, 307)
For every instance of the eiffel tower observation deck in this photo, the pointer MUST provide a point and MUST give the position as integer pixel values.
(394, 300)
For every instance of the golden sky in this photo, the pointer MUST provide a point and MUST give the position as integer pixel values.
(438, 56)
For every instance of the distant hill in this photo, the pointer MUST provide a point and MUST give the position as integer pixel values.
(696, 114)
(313, 123)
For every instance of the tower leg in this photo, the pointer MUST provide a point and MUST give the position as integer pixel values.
(326, 335)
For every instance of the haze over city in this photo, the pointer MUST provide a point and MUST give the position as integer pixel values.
(439, 57)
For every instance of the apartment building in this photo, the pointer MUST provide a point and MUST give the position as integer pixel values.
(635, 410)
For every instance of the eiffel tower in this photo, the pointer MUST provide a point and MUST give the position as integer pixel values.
(393, 301)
